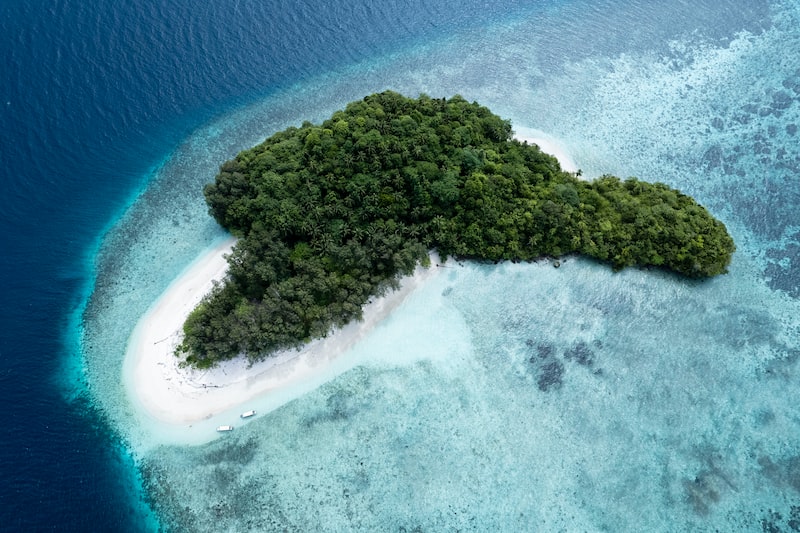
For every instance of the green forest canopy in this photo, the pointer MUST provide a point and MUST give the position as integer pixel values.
(330, 215)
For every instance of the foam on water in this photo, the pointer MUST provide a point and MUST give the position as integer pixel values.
(523, 397)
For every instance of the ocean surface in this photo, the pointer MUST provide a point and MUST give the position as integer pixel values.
(498, 398)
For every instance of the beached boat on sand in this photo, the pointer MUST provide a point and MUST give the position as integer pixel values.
(222, 429)
(247, 414)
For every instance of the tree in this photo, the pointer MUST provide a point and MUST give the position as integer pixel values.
(330, 215)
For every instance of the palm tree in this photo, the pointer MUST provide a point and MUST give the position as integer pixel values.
(323, 242)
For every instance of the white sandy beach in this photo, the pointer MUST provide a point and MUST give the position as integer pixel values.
(182, 405)
(548, 144)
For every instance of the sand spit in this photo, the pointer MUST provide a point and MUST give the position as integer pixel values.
(183, 405)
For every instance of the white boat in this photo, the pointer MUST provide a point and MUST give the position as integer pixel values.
(247, 414)
(222, 429)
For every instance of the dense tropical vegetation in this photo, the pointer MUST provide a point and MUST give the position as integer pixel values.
(331, 215)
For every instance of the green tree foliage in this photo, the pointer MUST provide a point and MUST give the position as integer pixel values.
(331, 215)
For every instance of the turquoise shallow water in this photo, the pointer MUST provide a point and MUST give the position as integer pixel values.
(522, 397)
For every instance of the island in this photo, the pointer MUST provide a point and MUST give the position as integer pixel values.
(329, 217)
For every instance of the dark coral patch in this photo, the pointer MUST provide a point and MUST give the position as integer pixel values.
(551, 375)
(580, 353)
(542, 351)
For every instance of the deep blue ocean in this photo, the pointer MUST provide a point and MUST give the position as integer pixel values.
(101, 102)
(94, 94)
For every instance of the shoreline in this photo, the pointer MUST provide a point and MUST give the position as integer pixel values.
(547, 144)
(184, 405)
(175, 405)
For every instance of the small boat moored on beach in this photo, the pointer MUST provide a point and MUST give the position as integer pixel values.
(247, 414)
(223, 429)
